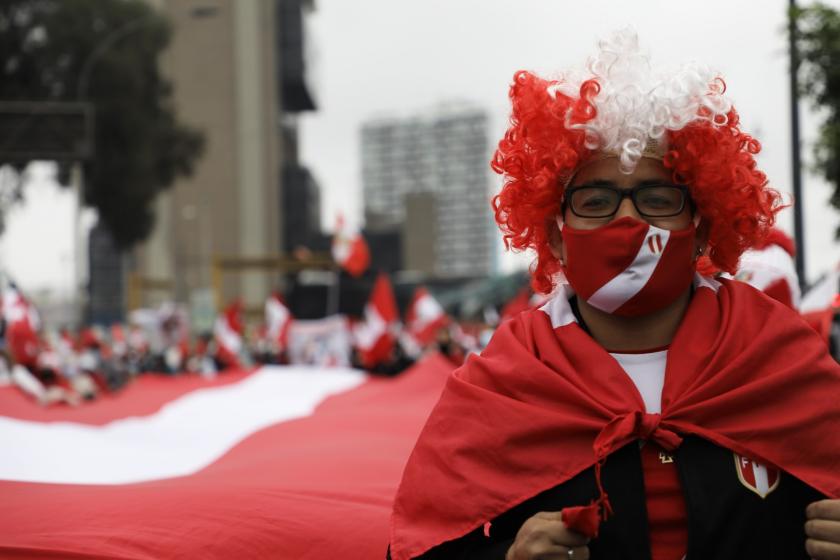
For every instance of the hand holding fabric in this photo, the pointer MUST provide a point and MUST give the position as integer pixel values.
(823, 530)
(544, 535)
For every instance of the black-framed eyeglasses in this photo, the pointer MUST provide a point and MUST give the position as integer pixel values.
(651, 201)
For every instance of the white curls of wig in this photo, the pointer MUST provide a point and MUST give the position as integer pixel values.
(637, 103)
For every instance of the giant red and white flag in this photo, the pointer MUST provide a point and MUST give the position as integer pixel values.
(281, 462)
(424, 317)
(350, 250)
(376, 335)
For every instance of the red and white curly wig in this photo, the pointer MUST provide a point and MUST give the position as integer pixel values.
(623, 107)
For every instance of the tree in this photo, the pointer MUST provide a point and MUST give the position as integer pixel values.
(818, 43)
(105, 52)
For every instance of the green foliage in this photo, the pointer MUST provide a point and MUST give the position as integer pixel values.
(105, 52)
(818, 42)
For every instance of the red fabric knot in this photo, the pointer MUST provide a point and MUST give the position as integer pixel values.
(625, 428)
(618, 432)
(648, 426)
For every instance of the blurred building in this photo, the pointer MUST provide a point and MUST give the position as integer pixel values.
(428, 175)
(301, 210)
(239, 73)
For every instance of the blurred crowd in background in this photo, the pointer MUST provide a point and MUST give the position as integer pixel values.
(73, 366)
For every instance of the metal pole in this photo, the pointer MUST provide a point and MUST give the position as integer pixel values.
(80, 268)
(796, 160)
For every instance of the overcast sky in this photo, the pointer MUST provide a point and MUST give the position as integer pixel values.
(400, 57)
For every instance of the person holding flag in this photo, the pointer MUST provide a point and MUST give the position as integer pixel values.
(648, 410)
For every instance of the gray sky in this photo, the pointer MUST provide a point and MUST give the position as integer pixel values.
(397, 57)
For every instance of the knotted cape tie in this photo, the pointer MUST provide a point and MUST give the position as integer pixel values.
(620, 431)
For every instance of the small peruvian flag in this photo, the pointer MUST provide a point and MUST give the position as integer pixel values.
(424, 317)
(227, 332)
(350, 250)
(374, 336)
(278, 318)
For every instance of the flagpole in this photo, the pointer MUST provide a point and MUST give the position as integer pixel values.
(796, 161)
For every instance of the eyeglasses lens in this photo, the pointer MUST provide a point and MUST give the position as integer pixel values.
(651, 201)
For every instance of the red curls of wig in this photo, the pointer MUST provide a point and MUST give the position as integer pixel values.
(718, 165)
(537, 149)
(542, 148)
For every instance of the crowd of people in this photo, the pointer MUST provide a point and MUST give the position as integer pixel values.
(72, 366)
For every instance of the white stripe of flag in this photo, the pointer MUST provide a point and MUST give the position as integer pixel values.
(184, 436)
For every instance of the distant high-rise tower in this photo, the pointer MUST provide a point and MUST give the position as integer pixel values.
(434, 166)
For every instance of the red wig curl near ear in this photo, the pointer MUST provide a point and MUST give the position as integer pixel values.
(731, 194)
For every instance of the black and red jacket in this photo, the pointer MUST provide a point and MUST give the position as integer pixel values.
(728, 520)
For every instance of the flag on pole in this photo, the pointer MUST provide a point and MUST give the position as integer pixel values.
(375, 334)
(424, 317)
(350, 250)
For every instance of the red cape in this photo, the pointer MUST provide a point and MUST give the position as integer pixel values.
(544, 402)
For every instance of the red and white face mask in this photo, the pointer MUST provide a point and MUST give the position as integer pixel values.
(628, 267)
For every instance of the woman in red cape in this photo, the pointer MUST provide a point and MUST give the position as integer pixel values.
(648, 410)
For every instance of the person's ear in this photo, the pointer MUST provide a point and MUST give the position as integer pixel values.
(555, 240)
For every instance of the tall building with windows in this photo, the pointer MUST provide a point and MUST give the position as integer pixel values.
(239, 73)
(428, 174)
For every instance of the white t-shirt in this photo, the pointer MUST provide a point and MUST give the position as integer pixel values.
(648, 374)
